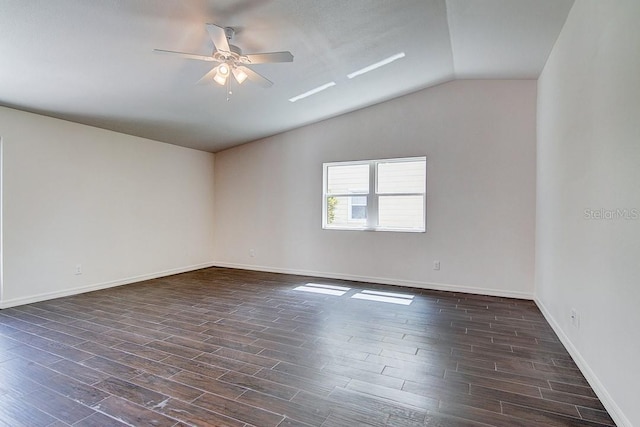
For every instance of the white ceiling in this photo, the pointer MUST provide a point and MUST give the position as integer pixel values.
(92, 62)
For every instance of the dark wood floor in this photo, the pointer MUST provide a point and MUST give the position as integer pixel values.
(225, 347)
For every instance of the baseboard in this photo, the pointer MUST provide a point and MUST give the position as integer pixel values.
(612, 407)
(381, 280)
(97, 286)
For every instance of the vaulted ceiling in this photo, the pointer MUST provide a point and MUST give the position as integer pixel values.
(93, 62)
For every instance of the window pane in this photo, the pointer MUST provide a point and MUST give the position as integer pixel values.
(402, 177)
(341, 212)
(401, 212)
(348, 179)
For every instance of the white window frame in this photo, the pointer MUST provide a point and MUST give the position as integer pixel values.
(372, 196)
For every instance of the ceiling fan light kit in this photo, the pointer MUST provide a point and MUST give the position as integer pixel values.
(222, 72)
(240, 75)
(231, 60)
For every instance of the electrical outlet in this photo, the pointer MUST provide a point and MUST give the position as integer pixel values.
(436, 265)
(78, 269)
(252, 253)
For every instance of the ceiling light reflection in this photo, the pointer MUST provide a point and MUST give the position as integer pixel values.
(378, 64)
(312, 91)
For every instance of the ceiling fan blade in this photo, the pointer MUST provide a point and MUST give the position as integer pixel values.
(187, 55)
(256, 78)
(269, 57)
(208, 78)
(219, 37)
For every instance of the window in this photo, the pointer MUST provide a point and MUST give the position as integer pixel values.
(375, 195)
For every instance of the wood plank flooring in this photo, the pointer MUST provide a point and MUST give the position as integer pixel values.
(222, 347)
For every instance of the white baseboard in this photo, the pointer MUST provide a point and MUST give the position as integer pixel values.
(612, 407)
(97, 286)
(381, 280)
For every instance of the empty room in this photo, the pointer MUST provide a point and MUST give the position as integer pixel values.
(296, 213)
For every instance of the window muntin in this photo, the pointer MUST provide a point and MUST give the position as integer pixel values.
(380, 195)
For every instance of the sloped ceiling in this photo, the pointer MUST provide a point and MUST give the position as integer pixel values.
(92, 62)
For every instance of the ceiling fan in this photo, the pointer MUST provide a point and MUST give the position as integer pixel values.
(231, 60)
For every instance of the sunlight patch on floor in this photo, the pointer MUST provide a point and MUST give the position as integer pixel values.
(323, 289)
(389, 297)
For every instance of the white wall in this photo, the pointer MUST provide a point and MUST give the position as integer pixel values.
(123, 207)
(589, 158)
(479, 139)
